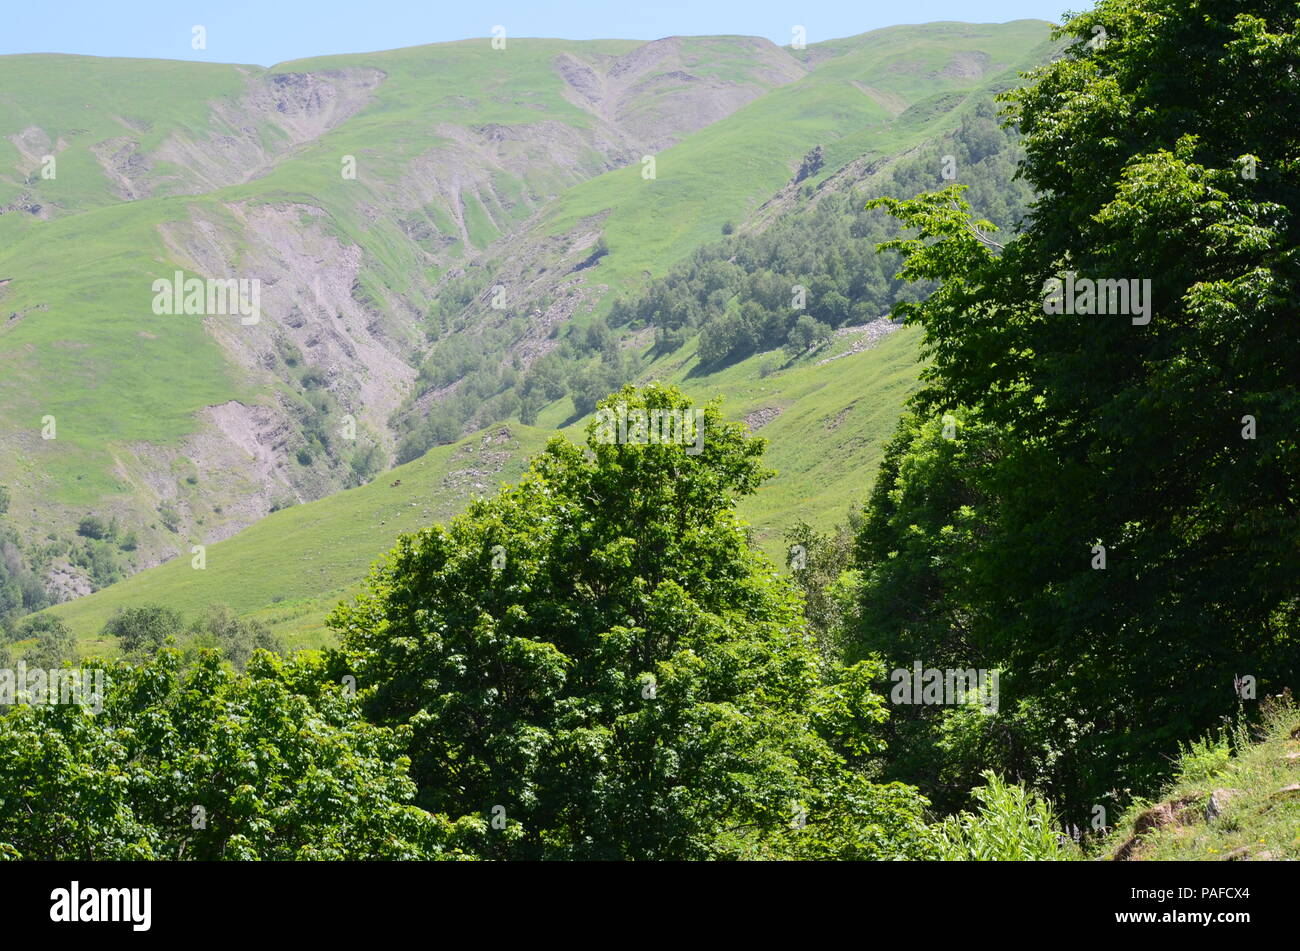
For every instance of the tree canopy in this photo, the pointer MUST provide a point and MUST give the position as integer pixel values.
(597, 664)
(1118, 526)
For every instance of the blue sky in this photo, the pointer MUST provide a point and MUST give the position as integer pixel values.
(266, 32)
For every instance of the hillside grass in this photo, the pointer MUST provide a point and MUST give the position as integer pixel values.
(1256, 783)
(289, 569)
(830, 434)
(83, 344)
(87, 349)
(90, 352)
(726, 170)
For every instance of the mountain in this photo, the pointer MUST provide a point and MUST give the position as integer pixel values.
(502, 204)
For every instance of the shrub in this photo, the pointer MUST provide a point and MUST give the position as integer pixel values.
(1011, 824)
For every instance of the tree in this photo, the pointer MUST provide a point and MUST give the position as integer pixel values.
(93, 526)
(200, 763)
(55, 642)
(1142, 544)
(591, 383)
(144, 630)
(724, 336)
(596, 664)
(817, 564)
(919, 601)
(236, 638)
(806, 333)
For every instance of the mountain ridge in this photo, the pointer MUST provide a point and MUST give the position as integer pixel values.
(196, 430)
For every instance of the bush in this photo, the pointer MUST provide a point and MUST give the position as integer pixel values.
(54, 641)
(236, 638)
(144, 630)
(1012, 824)
(1203, 759)
(276, 763)
(170, 518)
(598, 659)
(92, 526)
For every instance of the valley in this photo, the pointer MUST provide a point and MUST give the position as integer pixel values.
(430, 232)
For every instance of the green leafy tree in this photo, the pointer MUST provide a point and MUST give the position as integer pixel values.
(807, 332)
(142, 631)
(818, 566)
(236, 638)
(1123, 436)
(55, 642)
(93, 526)
(200, 763)
(596, 664)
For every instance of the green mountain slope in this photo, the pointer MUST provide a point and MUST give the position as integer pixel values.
(239, 171)
(476, 170)
(877, 95)
(289, 569)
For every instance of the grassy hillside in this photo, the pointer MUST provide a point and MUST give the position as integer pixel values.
(290, 568)
(233, 170)
(67, 106)
(469, 163)
(877, 94)
(1223, 806)
(829, 423)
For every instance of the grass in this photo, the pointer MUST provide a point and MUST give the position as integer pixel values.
(91, 353)
(827, 440)
(726, 170)
(290, 568)
(86, 348)
(119, 380)
(1255, 780)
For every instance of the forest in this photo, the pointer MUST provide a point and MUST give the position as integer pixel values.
(1096, 514)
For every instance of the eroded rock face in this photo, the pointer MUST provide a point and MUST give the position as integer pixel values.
(126, 166)
(463, 191)
(66, 582)
(311, 320)
(235, 148)
(658, 93)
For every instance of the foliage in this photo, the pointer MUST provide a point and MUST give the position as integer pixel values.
(236, 638)
(55, 642)
(817, 563)
(740, 293)
(142, 631)
(1011, 825)
(199, 763)
(93, 526)
(1091, 429)
(1203, 759)
(596, 659)
(21, 590)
